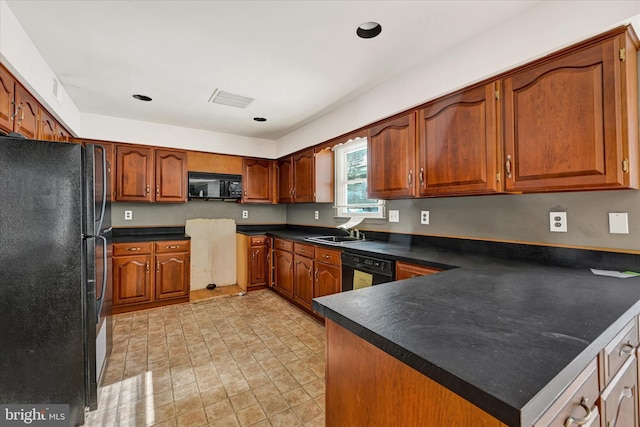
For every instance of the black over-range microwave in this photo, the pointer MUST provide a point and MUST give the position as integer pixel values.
(214, 186)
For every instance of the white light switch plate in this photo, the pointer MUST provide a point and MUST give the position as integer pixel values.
(618, 223)
(394, 216)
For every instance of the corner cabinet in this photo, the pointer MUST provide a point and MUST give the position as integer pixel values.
(571, 123)
(145, 174)
(258, 181)
(150, 274)
(458, 144)
(391, 152)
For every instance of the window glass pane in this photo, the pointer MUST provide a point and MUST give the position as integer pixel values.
(357, 195)
(357, 164)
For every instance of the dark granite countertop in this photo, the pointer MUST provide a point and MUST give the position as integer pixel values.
(506, 335)
(148, 234)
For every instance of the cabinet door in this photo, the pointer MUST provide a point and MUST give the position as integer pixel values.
(28, 110)
(172, 275)
(324, 167)
(285, 180)
(134, 174)
(283, 264)
(563, 127)
(458, 144)
(391, 156)
(258, 272)
(303, 177)
(132, 279)
(47, 129)
(171, 176)
(257, 180)
(303, 280)
(62, 135)
(328, 280)
(8, 109)
(620, 399)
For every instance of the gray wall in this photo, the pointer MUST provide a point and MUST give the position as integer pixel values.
(166, 214)
(519, 218)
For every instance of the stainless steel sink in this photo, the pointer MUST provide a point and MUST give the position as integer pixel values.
(334, 240)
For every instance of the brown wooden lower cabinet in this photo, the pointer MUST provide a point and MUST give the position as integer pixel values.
(283, 272)
(328, 276)
(367, 387)
(303, 274)
(149, 274)
(253, 255)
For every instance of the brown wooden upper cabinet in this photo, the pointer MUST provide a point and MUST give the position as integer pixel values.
(571, 123)
(146, 174)
(8, 109)
(48, 127)
(391, 154)
(258, 181)
(306, 177)
(458, 144)
(27, 115)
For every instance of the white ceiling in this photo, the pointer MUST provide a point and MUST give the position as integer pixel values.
(297, 59)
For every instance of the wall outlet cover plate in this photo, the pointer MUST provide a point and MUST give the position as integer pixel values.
(424, 217)
(558, 222)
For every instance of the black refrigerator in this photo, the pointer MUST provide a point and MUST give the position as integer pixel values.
(55, 273)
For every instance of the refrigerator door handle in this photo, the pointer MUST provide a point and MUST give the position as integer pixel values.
(104, 187)
(100, 301)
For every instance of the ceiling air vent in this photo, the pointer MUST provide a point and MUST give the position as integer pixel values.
(230, 99)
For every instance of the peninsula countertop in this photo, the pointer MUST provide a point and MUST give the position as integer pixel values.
(506, 335)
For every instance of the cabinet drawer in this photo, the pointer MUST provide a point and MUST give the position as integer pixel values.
(120, 249)
(285, 245)
(258, 240)
(577, 401)
(327, 255)
(619, 401)
(407, 271)
(172, 246)
(613, 356)
(304, 250)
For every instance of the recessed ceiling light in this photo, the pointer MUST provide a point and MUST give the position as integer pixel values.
(142, 97)
(259, 119)
(369, 30)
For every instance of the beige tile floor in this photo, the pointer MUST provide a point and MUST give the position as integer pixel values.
(251, 360)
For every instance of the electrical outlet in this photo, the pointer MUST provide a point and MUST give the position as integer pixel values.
(245, 214)
(424, 217)
(618, 223)
(558, 222)
(316, 215)
(128, 215)
(394, 216)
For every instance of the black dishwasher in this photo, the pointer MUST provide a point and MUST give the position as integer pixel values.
(361, 271)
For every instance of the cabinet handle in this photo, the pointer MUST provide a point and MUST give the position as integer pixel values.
(158, 190)
(245, 194)
(148, 189)
(21, 113)
(303, 250)
(411, 178)
(147, 266)
(133, 249)
(626, 349)
(158, 266)
(579, 421)
(173, 247)
(625, 393)
(327, 257)
(316, 274)
(508, 166)
(310, 278)
(253, 256)
(15, 110)
(422, 177)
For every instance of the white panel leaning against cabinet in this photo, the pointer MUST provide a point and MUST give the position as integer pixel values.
(213, 250)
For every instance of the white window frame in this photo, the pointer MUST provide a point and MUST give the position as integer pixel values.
(341, 152)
